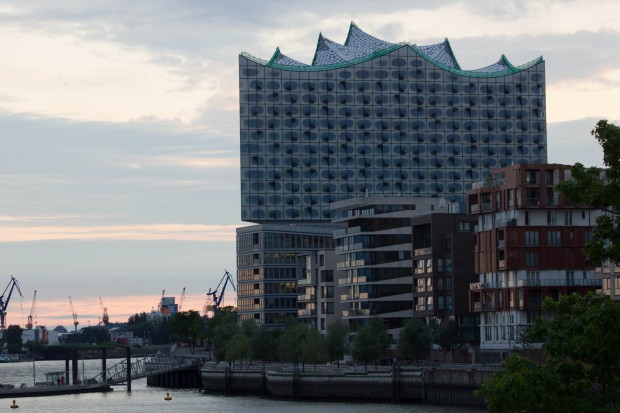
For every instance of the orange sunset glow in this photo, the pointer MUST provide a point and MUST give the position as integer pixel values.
(51, 313)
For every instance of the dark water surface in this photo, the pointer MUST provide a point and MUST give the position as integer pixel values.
(145, 399)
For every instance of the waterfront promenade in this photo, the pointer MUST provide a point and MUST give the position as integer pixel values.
(443, 385)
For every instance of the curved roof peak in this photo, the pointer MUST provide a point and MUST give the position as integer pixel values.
(360, 46)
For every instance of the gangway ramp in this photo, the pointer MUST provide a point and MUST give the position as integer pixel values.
(146, 366)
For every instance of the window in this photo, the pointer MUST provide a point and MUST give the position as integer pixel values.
(568, 217)
(554, 238)
(532, 238)
(527, 218)
(533, 278)
(552, 218)
(532, 259)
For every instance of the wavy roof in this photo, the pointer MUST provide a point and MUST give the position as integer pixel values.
(360, 47)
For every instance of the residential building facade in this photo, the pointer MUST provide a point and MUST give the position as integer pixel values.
(271, 258)
(529, 245)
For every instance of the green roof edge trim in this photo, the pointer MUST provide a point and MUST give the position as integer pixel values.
(383, 52)
(504, 59)
(273, 58)
(351, 26)
(316, 50)
(456, 62)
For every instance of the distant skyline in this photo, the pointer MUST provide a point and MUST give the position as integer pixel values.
(119, 147)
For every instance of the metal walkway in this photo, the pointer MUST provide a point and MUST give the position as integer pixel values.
(145, 366)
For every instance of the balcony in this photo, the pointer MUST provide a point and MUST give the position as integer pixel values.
(355, 313)
(349, 297)
(352, 280)
(306, 297)
(501, 264)
(422, 251)
(305, 282)
(560, 282)
(306, 312)
(473, 208)
(476, 286)
(532, 202)
(487, 206)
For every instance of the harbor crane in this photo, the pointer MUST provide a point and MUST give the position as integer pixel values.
(75, 319)
(182, 299)
(4, 302)
(217, 299)
(30, 323)
(105, 319)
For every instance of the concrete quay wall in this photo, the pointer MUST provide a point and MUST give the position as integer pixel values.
(442, 386)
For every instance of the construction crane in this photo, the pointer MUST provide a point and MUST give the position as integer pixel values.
(217, 299)
(75, 320)
(30, 324)
(105, 319)
(182, 299)
(4, 302)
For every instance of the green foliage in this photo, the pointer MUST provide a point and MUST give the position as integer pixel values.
(238, 347)
(187, 326)
(291, 339)
(264, 344)
(94, 335)
(220, 330)
(12, 338)
(518, 386)
(314, 348)
(371, 342)
(450, 337)
(156, 332)
(337, 341)
(582, 371)
(415, 340)
(590, 186)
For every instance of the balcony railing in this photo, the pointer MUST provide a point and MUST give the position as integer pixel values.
(560, 282)
(473, 208)
(306, 313)
(354, 313)
(351, 280)
(306, 297)
(305, 282)
(359, 296)
(422, 251)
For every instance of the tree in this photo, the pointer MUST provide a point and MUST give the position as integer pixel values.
(314, 348)
(220, 330)
(13, 338)
(582, 370)
(291, 339)
(187, 326)
(371, 342)
(238, 348)
(264, 343)
(415, 340)
(337, 344)
(600, 188)
(450, 337)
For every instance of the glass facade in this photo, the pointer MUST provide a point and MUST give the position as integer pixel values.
(400, 121)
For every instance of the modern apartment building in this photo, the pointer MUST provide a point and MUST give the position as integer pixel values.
(529, 245)
(379, 118)
(318, 291)
(270, 260)
(404, 257)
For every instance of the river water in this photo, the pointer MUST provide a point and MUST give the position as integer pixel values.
(143, 399)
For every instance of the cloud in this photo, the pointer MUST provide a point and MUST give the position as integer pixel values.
(151, 232)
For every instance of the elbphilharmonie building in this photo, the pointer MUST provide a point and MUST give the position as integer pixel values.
(373, 118)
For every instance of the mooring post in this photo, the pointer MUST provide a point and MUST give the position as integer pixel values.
(103, 366)
(66, 369)
(128, 369)
(74, 366)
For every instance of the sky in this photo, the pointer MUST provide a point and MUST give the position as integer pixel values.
(119, 126)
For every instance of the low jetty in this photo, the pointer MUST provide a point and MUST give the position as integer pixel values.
(16, 392)
(435, 385)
